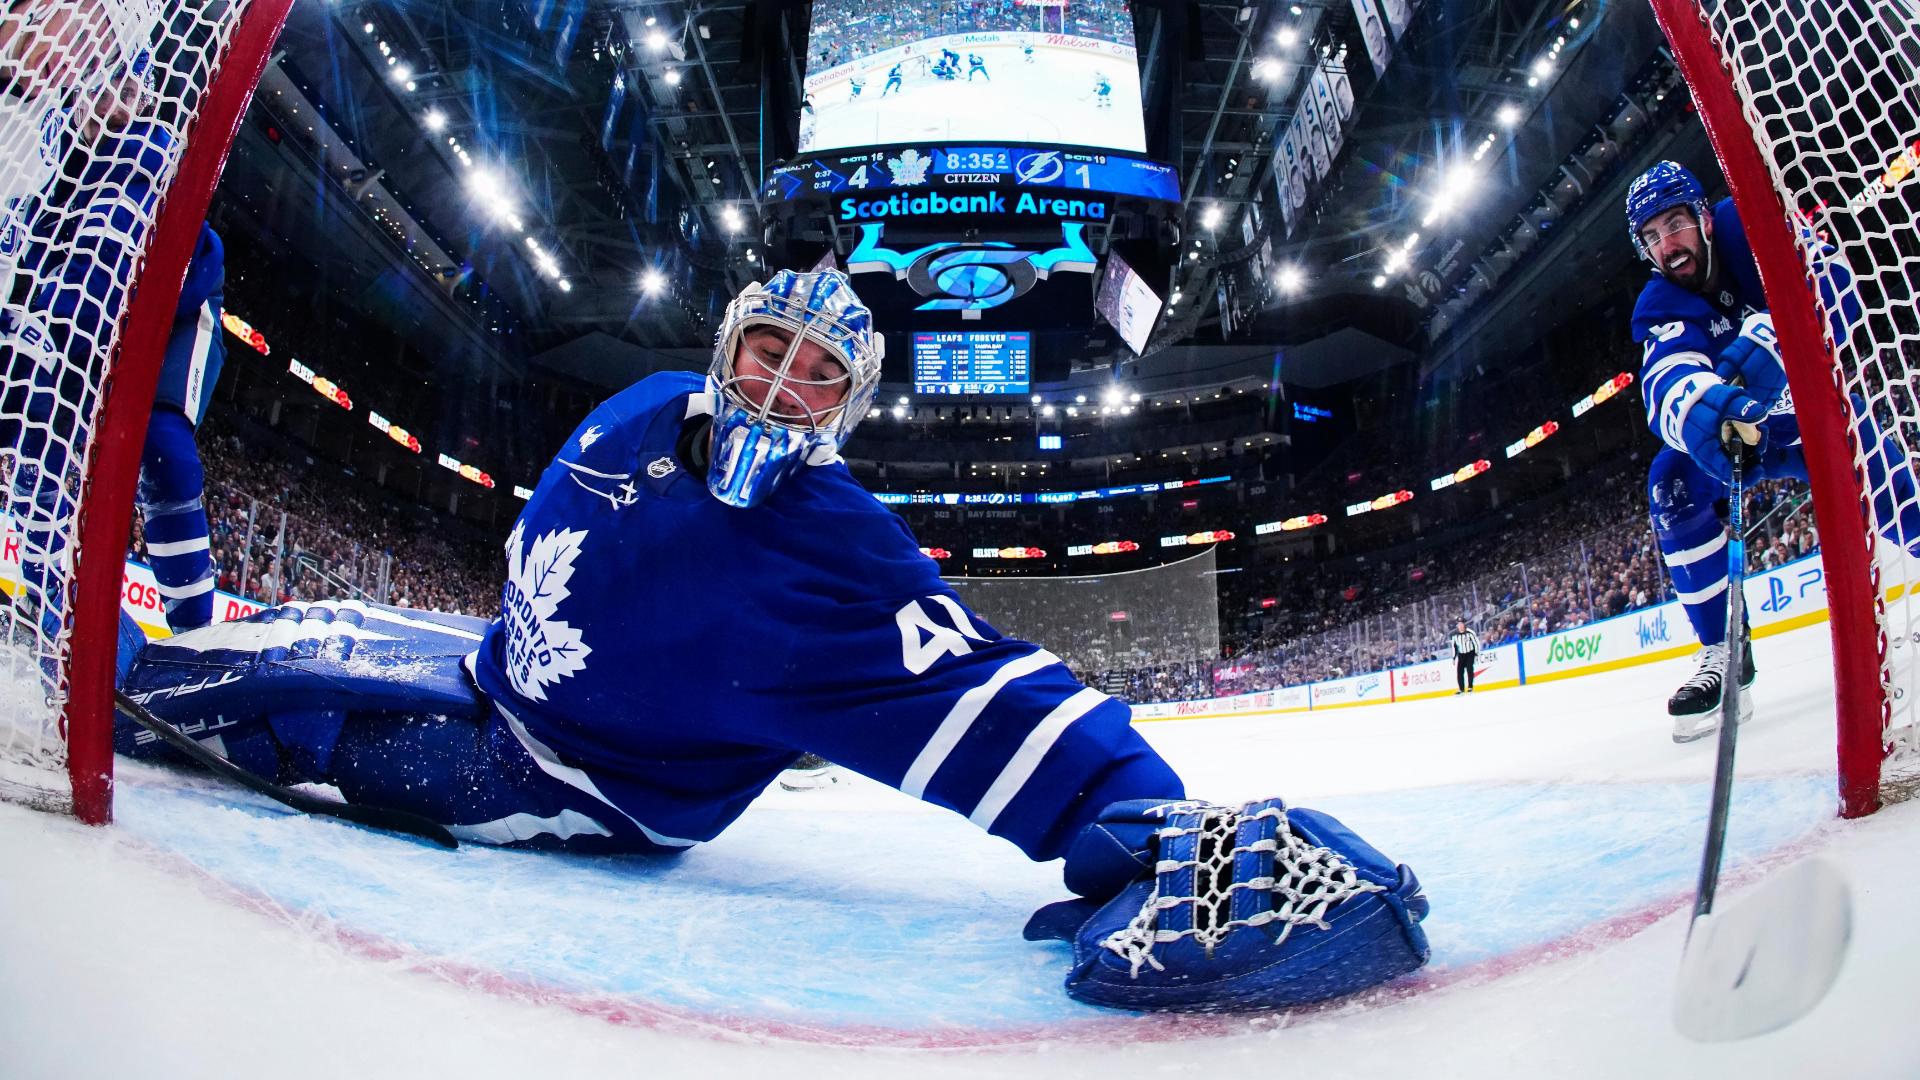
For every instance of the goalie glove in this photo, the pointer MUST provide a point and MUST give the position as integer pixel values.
(1752, 362)
(1215, 907)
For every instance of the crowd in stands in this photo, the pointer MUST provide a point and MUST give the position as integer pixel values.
(846, 30)
(285, 530)
(1521, 579)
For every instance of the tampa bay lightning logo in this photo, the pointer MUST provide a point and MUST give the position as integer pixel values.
(1039, 167)
(971, 277)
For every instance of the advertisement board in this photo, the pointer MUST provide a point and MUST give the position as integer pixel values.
(1784, 598)
(1366, 689)
(1494, 669)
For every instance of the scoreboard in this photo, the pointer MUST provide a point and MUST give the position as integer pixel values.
(972, 362)
(959, 169)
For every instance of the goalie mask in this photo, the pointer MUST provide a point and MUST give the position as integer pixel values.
(794, 370)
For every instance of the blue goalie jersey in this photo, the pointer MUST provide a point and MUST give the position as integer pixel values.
(670, 655)
(1681, 333)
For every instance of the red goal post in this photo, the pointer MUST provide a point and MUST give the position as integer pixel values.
(56, 57)
(1813, 109)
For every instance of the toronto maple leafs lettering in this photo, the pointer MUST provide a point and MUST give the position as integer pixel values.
(541, 650)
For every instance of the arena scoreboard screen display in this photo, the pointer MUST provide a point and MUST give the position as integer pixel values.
(972, 362)
(881, 73)
(1127, 303)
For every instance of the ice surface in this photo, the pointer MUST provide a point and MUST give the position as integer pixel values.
(1556, 829)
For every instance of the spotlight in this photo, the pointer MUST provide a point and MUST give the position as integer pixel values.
(1291, 279)
(652, 282)
(1288, 37)
(1210, 217)
(1508, 115)
(672, 76)
(656, 41)
(436, 120)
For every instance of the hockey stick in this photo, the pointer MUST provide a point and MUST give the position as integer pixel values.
(373, 817)
(1771, 958)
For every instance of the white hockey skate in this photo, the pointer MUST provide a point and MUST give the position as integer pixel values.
(811, 773)
(1695, 707)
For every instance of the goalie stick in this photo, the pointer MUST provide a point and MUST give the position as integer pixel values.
(1770, 958)
(373, 817)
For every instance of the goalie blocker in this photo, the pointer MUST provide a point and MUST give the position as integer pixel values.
(1182, 905)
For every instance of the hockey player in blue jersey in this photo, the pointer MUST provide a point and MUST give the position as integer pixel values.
(1710, 358)
(854, 86)
(976, 65)
(73, 271)
(1102, 91)
(893, 81)
(697, 592)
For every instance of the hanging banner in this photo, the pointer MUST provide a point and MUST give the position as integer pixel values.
(1399, 14)
(1373, 30)
(1283, 182)
(1313, 143)
(1342, 87)
(1322, 90)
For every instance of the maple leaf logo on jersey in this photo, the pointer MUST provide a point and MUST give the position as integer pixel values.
(589, 437)
(541, 650)
(909, 168)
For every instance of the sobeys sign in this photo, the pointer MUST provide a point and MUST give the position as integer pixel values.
(1572, 649)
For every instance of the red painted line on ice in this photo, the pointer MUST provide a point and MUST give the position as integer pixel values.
(1107, 1028)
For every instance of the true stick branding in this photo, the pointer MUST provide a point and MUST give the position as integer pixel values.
(1574, 650)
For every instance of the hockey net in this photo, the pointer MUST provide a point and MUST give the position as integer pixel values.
(115, 119)
(1813, 107)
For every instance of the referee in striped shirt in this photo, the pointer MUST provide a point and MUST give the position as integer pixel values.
(1466, 646)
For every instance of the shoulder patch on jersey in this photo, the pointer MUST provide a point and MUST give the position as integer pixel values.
(661, 467)
(540, 650)
(589, 437)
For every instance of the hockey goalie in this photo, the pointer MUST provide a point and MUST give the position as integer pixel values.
(698, 593)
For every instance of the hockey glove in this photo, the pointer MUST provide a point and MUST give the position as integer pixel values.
(1704, 421)
(1752, 361)
(1218, 907)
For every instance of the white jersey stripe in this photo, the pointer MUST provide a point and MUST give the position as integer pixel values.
(961, 717)
(1021, 766)
(177, 547)
(1707, 593)
(1695, 554)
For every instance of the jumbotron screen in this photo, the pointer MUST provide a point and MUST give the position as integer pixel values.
(881, 72)
(972, 362)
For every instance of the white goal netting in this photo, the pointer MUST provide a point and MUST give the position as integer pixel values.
(97, 99)
(1106, 622)
(1828, 92)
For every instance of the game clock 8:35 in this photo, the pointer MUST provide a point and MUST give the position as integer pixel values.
(974, 160)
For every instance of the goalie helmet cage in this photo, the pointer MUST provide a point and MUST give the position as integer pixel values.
(1813, 109)
(206, 59)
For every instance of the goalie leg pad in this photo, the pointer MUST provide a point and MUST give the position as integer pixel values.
(1251, 907)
